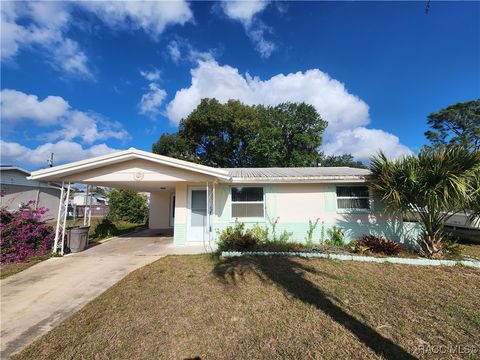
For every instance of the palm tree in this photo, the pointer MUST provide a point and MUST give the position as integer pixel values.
(430, 187)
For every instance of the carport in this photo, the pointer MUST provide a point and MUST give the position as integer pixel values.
(182, 194)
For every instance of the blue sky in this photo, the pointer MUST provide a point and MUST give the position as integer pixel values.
(83, 79)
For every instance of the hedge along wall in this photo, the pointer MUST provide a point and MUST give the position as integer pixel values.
(296, 204)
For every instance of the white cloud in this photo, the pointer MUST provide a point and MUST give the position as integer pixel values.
(243, 11)
(151, 101)
(64, 151)
(44, 25)
(17, 107)
(362, 143)
(246, 12)
(153, 75)
(150, 16)
(347, 115)
(329, 96)
(181, 50)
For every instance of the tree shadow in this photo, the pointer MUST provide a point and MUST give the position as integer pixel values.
(288, 274)
(380, 224)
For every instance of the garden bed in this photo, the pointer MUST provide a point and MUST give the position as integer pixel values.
(362, 258)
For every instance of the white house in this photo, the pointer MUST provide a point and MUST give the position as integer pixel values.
(196, 200)
(81, 198)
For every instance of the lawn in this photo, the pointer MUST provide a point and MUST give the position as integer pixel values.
(7, 270)
(271, 308)
(122, 227)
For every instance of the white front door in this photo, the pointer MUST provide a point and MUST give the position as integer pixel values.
(197, 214)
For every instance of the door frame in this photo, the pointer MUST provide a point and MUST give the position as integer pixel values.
(189, 214)
(171, 215)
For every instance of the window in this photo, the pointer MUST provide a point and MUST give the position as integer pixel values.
(247, 202)
(353, 197)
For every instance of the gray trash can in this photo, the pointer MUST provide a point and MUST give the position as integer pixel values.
(78, 238)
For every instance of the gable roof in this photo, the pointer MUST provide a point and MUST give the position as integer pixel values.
(11, 167)
(125, 155)
(235, 175)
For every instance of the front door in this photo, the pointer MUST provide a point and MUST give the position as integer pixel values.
(197, 214)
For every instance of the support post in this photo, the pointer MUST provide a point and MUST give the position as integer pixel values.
(65, 213)
(59, 217)
(90, 199)
(87, 195)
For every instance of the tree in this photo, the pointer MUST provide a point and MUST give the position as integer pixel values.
(457, 124)
(127, 205)
(290, 135)
(340, 160)
(238, 135)
(431, 186)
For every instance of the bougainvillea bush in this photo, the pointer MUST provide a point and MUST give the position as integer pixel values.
(24, 233)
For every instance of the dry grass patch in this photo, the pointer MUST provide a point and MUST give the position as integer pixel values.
(271, 308)
(7, 270)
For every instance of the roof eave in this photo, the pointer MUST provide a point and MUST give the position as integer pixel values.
(302, 180)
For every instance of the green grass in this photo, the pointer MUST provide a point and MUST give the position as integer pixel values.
(271, 308)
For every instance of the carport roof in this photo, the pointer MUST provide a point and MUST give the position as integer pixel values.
(60, 171)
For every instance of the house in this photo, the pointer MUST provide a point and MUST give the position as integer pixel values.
(81, 198)
(197, 201)
(17, 189)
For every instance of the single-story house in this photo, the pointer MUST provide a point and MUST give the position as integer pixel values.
(17, 189)
(197, 201)
(84, 198)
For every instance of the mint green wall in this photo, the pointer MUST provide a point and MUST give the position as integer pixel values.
(353, 225)
(179, 234)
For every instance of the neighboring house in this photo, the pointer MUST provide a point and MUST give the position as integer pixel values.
(80, 198)
(197, 201)
(17, 189)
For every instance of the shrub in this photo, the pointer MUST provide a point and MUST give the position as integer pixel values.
(450, 246)
(235, 238)
(259, 232)
(24, 233)
(375, 244)
(311, 229)
(105, 229)
(335, 236)
(127, 205)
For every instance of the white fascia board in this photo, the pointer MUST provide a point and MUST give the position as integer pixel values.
(65, 169)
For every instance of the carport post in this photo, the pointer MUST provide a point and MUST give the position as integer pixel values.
(65, 218)
(59, 216)
(87, 196)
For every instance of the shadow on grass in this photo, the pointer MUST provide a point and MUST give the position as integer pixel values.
(288, 274)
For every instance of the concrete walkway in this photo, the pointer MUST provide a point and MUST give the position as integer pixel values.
(36, 299)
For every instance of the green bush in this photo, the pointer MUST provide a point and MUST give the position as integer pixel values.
(127, 205)
(335, 236)
(259, 232)
(105, 229)
(235, 238)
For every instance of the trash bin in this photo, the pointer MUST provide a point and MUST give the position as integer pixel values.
(78, 238)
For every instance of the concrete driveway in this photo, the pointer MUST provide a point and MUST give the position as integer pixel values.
(36, 299)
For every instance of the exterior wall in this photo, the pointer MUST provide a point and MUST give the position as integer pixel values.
(180, 228)
(296, 204)
(14, 195)
(159, 213)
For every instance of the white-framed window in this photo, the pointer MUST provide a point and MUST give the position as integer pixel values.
(353, 198)
(248, 202)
